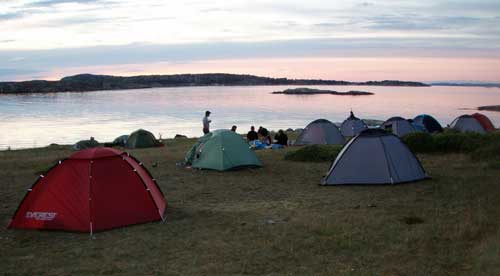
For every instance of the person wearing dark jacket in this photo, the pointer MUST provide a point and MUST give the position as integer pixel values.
(252, 134)
(281, 138)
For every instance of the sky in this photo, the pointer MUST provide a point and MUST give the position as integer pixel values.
(424, 40)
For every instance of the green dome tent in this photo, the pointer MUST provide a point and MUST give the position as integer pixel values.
(142, 139)
(86, 144)
(120, 140)
(221, 150)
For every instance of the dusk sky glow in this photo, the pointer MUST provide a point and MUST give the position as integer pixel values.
(352, 40)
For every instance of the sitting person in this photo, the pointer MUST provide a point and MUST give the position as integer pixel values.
(264, 136)
(281, 138)
(265, 132)
(252, 134)
(233, 128)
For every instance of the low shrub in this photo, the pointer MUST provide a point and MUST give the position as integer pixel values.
(458, 142)
(448, 142)
(492, 137)
(487, 152)
(314, 153)
(419, 142)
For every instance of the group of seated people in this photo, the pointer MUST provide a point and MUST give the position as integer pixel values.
(262, 138)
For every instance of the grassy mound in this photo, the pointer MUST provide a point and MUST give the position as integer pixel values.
(314, 153)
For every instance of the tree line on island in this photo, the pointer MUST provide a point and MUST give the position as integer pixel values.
(89, 82)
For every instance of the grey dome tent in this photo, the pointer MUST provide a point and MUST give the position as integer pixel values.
(392, 119)
(467, 123)
(398, 126)
(320, 132)
(352, 126)
(374, 157)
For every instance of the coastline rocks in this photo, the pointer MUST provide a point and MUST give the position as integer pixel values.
(490, 108)
(312, 91)
(180, 136)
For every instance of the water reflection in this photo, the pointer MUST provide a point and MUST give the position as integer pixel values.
(64, 118)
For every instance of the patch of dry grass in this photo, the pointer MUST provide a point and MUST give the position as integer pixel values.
(271, 221)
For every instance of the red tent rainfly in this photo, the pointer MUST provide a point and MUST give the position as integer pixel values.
(92, 190)
(484, 121)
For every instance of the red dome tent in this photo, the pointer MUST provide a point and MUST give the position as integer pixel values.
(484, 121)
(92, 190)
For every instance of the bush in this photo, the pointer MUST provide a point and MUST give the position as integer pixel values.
(449, 142)
(458, 142)
(314, 153)
(419, 142)
(487, 152)
(492, 137)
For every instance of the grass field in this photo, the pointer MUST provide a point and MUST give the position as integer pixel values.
(272, 221)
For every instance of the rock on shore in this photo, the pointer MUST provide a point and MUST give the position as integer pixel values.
(490, 108)
(312, 91)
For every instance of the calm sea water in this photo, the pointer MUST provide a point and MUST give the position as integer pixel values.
(65, 118)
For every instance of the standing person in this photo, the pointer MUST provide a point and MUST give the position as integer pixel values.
(252, 134)
(281, 138)
(206, 122)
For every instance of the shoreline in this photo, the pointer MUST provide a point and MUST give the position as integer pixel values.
(370, 122)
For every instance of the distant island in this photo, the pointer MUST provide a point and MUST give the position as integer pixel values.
(89, 82)
(311, 91)
(490, 108)
(468, 84)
